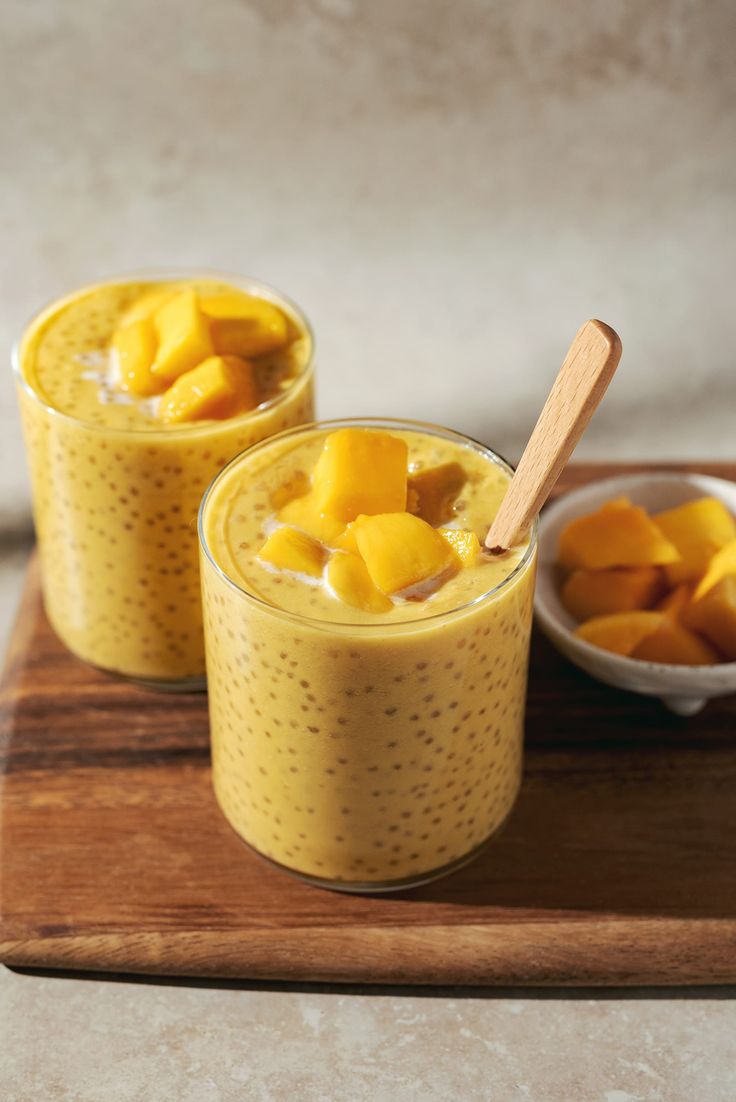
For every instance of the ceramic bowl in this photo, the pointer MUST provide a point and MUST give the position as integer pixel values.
(683, 689)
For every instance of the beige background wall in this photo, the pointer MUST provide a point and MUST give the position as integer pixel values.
(449, 188)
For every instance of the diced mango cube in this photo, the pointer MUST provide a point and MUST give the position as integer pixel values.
(294, 551)
(360, 471)
(348, 540)
(618, 534)
(183, 336)
(146, 305)
(588, 593)
(349, 580)
(675, 645)
(697, 529)
(245, 325)
(134, 347)
(714, 616)
(433, 492)
(621, 632)
(676, 601)
(465, 544)
(721, 566)
(305, 513)
(221, 386)
(403, 553)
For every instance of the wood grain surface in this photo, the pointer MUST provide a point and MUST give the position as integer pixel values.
(616, 867)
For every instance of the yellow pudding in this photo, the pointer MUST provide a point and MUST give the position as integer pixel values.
(127, 416)
(362, 747)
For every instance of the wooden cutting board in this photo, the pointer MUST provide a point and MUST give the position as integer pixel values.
(616, 867)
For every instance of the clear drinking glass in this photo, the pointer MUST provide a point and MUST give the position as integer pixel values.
(116, 510)
(367, 756)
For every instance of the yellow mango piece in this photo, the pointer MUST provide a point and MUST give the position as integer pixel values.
(434, 491)
(697, 529)
(304, 512)
(349, 580)
(294, 551)
(621, 632)
(618, 534)
(221, 386)
(245, 325)
(403, 553)
(348, 540)
(360, 471)
(465, 544)
(721, 565)
(134, 347)
(675, 645)
(588, 593)
(183, 336)
(146, 305)
(714, 616)
(296, 486)
(676, 601)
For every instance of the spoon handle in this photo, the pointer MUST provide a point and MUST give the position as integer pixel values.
(581, 383)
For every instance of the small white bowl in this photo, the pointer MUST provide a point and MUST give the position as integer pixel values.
(683, 689)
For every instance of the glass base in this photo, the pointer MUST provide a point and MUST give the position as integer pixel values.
(196, 684)
(377, 887)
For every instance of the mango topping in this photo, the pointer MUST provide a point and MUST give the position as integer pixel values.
(675, 645)
(721, 565)
(434, 491)
(402, 552)
(658, 589)
(360, 471)
(348, 578)
(135, 348)
(588, 593)
(305, 513)
(618, 534)
(219, 387)
(621, 632)
(466, 545)
(183, 336)
(294, 551)
(697, 529)
(244, 325)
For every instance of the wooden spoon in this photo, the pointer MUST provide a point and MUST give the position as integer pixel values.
(581, 383)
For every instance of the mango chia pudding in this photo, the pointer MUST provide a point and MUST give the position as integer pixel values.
(366, 660)
(133, 394)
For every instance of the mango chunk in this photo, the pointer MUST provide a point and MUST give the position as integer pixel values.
(183, 336)
(675, 645)
(134, 347)
(349, 580)
(588, 593)
(621, 632)
(360, 471)
(714, 616)
(348, 540)
(721, 566)
(221, 386)
(403, 553)
(676, 601)
(697, 529)
(618, 534)
(294, 551)
(245, 325)
(465, 544)
(433, 492)
(146, 305)
(305, 513)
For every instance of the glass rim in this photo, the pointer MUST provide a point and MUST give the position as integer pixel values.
(340, 626)
(161, 275)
